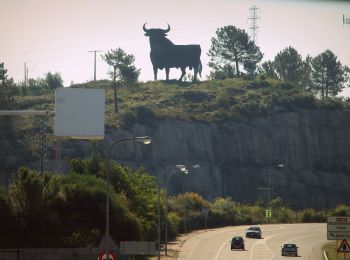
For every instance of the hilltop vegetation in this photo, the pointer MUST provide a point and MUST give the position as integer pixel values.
(207, 101)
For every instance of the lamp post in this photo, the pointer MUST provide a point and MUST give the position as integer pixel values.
(281, 165)
(158, 218)
(183, 169)
(144, 140)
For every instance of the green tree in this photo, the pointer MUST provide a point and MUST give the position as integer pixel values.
(267, 69)
(137, 188)
(342, 210)
(328, 75)
(189, 207)
(81, 199)
(64, 204)
(124, 70)
(222, 72)
(306, 74)
(8, 89)
(27, 193)
(3, 72)
(223, 212)
(4, 204)
(289, 65)
(53, 80)
(231, 48)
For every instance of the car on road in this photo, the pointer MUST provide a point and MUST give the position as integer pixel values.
(253, 232)
(237, 243)
(289, 250)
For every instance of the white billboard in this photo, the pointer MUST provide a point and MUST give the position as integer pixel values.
(79, 113)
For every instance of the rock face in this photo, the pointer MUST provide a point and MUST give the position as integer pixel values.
(240, 159)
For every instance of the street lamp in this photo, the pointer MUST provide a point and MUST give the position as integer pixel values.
(143, 140)
(281, 165)
(183, 169)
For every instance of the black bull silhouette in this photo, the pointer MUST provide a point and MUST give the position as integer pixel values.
(165, 54)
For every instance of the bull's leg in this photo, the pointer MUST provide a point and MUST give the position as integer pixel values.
(155, 71)
(195, 72)
(183, 72)
(167, 70)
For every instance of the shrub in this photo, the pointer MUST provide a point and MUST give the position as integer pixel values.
(342, 210)
(174, 221)
(331, 103)
(129, 119)
(144, 115)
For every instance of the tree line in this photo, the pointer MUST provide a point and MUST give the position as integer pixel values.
(233, 51)
(34, 87)
(50, 210)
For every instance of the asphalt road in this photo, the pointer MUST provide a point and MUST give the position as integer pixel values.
(215, 244)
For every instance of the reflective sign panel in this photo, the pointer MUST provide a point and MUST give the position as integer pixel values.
(79, 113)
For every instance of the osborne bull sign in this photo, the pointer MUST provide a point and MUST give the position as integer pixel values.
(165, 54)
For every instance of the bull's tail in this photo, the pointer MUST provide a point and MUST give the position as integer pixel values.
(200, 68)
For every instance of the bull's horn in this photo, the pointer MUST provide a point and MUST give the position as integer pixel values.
(144, 27)
(167, 30)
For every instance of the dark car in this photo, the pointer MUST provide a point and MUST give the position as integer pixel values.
(289, 250)
(237, 243)
(253, 232)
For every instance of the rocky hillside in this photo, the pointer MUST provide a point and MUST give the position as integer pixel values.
(236, 158)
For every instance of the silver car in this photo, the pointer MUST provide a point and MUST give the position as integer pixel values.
(253, 232)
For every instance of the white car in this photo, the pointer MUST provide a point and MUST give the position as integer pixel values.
(253, 232)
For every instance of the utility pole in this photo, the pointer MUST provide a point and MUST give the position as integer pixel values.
(25, 74)
(95, 62)
(254, 22)
(42, 144)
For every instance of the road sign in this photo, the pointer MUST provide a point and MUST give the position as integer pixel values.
(103, 256)
(137, 248)
(338, 228)
(268, 213)
(344, 247)
(79, 113)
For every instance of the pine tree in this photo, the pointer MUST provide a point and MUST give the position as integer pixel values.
(124, 70)
(289, 65)
(231, 48)
(328, 74)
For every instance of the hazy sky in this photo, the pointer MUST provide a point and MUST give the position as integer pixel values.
(56, 35)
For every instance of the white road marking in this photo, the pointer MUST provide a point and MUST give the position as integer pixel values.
(191, 252)
(220, 250)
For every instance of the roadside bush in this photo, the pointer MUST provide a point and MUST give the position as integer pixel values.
(311, 216)
(222, 212)
(129, 119)
(342, 211)
(174, 221)
(190, 208)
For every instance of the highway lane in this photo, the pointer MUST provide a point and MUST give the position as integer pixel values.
(215, 244)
